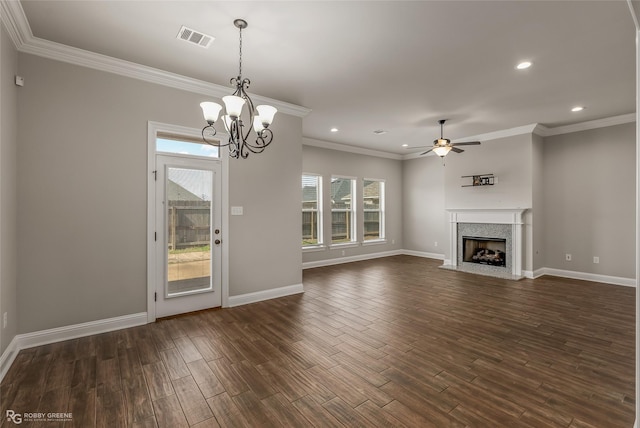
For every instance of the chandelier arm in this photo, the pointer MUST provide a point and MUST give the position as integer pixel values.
(265, 137)
(214, 132)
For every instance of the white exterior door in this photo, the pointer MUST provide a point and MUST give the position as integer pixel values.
(189, 235)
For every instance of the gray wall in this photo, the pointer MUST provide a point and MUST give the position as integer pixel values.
(8, 161)
(580, 188)
(82, 195)
(265, 241)
(328, 162)
(510, 159)
(424, 217)
(589, 200)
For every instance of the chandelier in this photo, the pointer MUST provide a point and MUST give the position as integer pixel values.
(240, 144)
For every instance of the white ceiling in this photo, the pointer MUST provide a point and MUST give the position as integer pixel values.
(392, 65)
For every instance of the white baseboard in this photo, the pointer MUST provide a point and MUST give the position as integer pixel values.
(423, 254)
(259, 296)
(44, 337)
(8, 356)
(349, 259)
(616, 280)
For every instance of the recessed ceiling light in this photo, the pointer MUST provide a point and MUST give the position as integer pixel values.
(523, 65)
(577, 108)
(405, 145)
(334, 129)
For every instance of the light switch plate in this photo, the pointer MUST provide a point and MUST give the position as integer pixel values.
(237, 210)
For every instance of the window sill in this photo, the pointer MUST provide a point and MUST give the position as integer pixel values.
(313, 248)
(374, 242)
(344, 245)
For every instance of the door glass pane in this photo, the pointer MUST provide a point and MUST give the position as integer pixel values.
(189, 193)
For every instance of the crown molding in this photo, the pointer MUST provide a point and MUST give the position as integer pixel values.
(544, 131)
(17, 26)
(350, 149)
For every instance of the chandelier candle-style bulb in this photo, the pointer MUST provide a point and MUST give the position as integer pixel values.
(257, 124)
(210, 111)
(233, 105)
(266, 114)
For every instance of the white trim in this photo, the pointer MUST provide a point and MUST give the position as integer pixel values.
(537, 273)
(259, 296)
(585, 276)
(349, 259)
(59, 334)
(20, 32)
(152, 129)
(373, 242)
(511, 216)
(350, 149)
(350, 244)
(314, 248)
(8, 357)
(543, 131)
(424, 254)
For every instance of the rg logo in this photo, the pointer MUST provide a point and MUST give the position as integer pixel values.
(14, 417)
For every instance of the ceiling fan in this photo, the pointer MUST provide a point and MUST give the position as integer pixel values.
(442, 145)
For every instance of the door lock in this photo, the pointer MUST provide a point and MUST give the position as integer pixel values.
(217, 231)
(217, 242)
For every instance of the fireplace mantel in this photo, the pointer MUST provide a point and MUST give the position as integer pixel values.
(511, 216)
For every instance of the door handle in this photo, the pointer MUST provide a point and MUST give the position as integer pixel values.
(217, 242)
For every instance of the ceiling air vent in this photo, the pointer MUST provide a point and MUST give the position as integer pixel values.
(195, 37)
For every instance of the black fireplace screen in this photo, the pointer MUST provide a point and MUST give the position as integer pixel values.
(486, 251)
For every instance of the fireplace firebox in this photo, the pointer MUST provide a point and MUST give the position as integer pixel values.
(486, 251)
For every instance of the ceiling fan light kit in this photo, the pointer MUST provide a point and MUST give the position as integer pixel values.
(442, 146)
(259, 119)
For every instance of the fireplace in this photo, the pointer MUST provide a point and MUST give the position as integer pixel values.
(488, 226)
(484, 251)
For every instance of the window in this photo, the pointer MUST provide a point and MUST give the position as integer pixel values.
(311, 210)
(185, 145)
(343, 193)
(373, 207)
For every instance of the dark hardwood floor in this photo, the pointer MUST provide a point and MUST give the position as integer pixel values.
(389, 342)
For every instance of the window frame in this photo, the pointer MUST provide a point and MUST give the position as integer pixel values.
(319, 210)
(353, 241)
(382, 238)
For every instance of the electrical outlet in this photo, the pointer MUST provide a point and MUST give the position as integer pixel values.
(393, 241)
(567, 257)
(344, 252)
(596, 259)
(435, 244)
(4, 320)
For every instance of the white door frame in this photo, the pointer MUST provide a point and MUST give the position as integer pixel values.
(152, 258)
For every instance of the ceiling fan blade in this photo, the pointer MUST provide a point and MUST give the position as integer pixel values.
(416, 147)
(424, 153)
(466, 143)
(457, 150)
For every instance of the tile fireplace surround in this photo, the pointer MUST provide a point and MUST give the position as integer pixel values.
(488, 223)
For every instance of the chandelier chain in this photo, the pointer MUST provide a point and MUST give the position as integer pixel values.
(240, 70)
